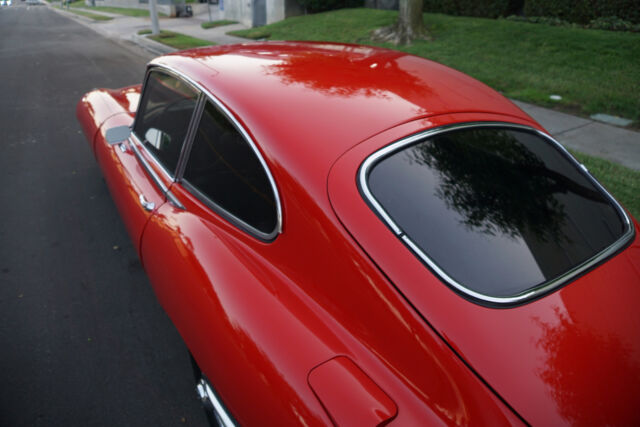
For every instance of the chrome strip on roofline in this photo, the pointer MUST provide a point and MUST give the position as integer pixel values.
(370, 161)
(184, 153)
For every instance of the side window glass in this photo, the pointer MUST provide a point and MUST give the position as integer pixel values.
(164, 115)
(223, 168)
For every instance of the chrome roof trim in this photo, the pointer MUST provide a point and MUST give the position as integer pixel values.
(370, 161)
(225, 111)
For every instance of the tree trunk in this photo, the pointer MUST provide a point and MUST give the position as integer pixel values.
(410, 20)
(407, 28)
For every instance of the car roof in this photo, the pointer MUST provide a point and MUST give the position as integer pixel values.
(309, 102)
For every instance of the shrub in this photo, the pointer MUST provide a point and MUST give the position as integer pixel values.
(610, 23)
(541, 20)
(314, 6)
(481, 8)
(584, 11)
(613, 23)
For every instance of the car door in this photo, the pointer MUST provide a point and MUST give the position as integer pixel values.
(207, 262)
(140, 170)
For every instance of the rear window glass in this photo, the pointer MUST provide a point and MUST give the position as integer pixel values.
(498, 211)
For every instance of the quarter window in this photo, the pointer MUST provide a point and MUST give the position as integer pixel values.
(227, 173)
(164, 115)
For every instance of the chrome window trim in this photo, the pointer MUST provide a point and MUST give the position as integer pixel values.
(152, 173)
(170, 176)
(191, 134)
(133, 139)
(545, 287)
(184, 154)
(234, 220)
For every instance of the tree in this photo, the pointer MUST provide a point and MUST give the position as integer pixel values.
(407, 28)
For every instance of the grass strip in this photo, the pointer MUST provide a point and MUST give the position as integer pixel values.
(123, 11)
(219, 23)
(117, 10)
(594, 71)
(90, 15)
(622, 182)
(177, 40)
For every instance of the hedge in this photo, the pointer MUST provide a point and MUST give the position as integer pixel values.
(314, 6)
(480, 8)
(584, 11)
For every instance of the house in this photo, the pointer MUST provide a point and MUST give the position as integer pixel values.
(251, 13)
(254, 13)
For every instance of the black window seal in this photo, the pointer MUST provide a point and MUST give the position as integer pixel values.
(523, 297)
(228, 216)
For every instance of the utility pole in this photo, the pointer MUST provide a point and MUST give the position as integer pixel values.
(153, 11)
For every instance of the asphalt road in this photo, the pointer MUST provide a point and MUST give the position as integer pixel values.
(83, 341)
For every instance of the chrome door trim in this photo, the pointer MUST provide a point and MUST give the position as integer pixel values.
(147, 205)
(133, 141)
(206, 393)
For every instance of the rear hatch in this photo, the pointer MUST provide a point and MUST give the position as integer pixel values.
(512, 253)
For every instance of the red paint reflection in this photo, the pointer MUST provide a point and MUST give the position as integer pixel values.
(576, 380)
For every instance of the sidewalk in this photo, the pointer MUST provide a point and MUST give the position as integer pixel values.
(613, 143)
(126, 27)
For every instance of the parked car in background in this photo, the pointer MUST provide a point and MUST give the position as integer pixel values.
(351, 235)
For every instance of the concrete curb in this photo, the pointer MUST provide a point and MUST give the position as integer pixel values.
(95, 12)
(152, 45)
(125, 42)
(84, 20)
(87, 22)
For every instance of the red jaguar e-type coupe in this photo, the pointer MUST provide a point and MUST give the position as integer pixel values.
(356, 236)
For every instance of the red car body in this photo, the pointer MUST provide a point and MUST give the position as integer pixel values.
(334, 320)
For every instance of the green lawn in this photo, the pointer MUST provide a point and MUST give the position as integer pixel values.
(219, 23)
(177, 40)
(93, 16)
(622, 182)
(594, 71)
(117, 10)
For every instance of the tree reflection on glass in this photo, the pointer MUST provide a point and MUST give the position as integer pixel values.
(495, 183)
